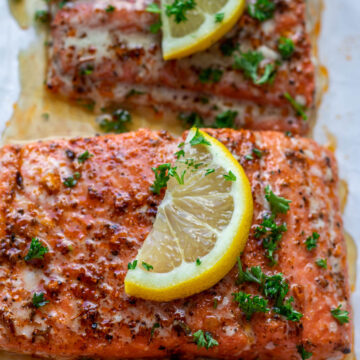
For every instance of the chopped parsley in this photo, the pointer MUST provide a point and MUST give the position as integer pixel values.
(321, 263)
(209, 171)
(249, 63)
(219, 17)
(204, 339)
(230, 176)
(153, 8)
(303, 353)
(86, 69)
(226, 119)
(210, 75)
(146, 266)
(311, 241)
(271, 234)
(299, 109)
(134, 92)
(118, 122)
(286, 47)
(228, 47)
(179, 154)
(274, 287)
(132, 265)
(198, 262)
(258, 153)
(278, 204)
(84, 156)
(342, 316)
(71, 181)
(38, 300)
(198, 139)
(153, 328)
(250, 304)
(179, 8)
(288, 311)
(179, 178)
(110, 9)
(262, 10)
(215, 305)
(36, 251)
(42, 16)
(161, 178)
(191, 120)
(155, 27)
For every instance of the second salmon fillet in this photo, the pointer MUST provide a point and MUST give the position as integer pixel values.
(88, 201)
(105, 58)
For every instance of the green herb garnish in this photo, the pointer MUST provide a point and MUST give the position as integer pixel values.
(84, 156)
(303, 353)
(146, 266)
(36, 251)
(321, 263)
(210, 75)
(342, 316)
(199, 139)
(311, 241)
(38, 300)
(299, 109)
(219, 17)
(225, 119)
(286, 47)
(205, 340)
(132, 265)
(71, 181)
(250, 304)
(278, 204)
(262, 10)
(179, 8)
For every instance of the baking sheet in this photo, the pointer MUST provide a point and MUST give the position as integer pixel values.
(339, 52)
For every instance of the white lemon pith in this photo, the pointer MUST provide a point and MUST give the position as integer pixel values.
(205, 24)
(201, 226)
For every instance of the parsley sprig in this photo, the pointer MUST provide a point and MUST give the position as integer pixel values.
(250, 304)
(249, 63)
(271, 234)
(199, 139)
(179, 8)
(204, 339)
(162, 176)
(36, 251)
(38, 300)
(262, 10)
(311, 241)
(303, 353)
(299, 109)
(342, 316)
(277, 203)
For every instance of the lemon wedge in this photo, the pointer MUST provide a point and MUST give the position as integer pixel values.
(202, 224)
(195, 27)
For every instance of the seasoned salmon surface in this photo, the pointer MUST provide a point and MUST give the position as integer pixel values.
(104, 58)
(70, 301)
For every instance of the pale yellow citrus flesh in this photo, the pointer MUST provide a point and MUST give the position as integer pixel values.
(200, 30)
(200, 229)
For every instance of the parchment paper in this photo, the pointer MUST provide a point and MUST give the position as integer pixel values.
(339, 113)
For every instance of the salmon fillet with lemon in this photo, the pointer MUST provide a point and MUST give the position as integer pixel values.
(259, 75)
(74, 214)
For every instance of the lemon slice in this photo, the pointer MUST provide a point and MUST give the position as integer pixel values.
(205, 24)
(201, 226)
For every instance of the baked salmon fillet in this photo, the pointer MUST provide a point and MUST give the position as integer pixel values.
(93, 216)
(104, 58)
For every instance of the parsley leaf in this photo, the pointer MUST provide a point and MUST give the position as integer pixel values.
(321, 263)
(303, 353)
(311, 241)
(342, 316)
(71, 181)
(132, 265)
(255, 274)
(278, 204)
(257, 152)
(225, 119)
(249, 63)
(36, 250)
(155, 27)
(110, 8)
(161, 178)
(276, 288)
(250, 305)
(146, 266)
(271, 234)
(205, 340)
(38, 300)
(153, 328)
(179, 8)
(84, 156)
(198, 262)
(210, 75)
(209, 171)
(153, 8)
(262, 10)
(134, 92)
(219, 17)
(299, 109)
(288, 311)
(191, 120)
(228, 47)
(230, 176)
(286, 47)
(198, 139)
(118, 122)
(42, 16)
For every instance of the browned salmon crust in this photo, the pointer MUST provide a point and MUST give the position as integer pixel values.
(95, 228)
(105, 58)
